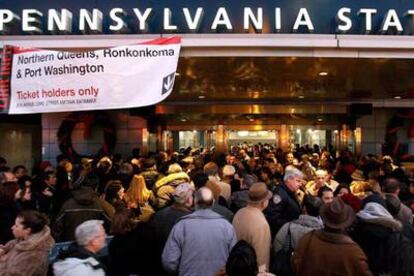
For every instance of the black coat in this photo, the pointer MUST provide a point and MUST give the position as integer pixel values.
(387, 249)
(133, 253)
(8, 213)
(283, 207)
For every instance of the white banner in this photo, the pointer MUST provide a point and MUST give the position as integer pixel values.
(121, 77)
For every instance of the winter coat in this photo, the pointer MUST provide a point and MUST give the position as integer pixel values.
(199, 244)
(151, 177)
(283, 207)
(224, 187)
(77, 267)
(404, 214)
(324, 254)
(26, 257)
(380, 236)
(133, 252)
(239, 200)
(223, 211)
(82, 207)
(250, 225)
(165, 187)
(298, 228)
(8, 214)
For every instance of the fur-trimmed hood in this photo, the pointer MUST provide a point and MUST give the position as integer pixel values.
(41, 241)
(27, 257)
(309, 221)
(174, 177)
(376, 214)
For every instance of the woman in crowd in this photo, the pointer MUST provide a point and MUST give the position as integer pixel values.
(27, 253)
(140, 199)
(26, 198)
(131, 251)
(341, 190)
(115, 193)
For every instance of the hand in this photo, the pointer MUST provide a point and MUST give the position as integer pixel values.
(27, 196)
(46, 192)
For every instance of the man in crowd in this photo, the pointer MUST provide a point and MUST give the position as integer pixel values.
(325, 194)
(391, 188)
(165, 219)
(82, 260)
(211, 169)
(251, 225)
(321, 179)
(285, 206)
(330, 251)
(84, 205)
(200, 243)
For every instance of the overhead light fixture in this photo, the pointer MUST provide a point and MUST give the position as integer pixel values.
(243, 133)
(301, 97)
(323, 74)
(201, 97)
(397, 97)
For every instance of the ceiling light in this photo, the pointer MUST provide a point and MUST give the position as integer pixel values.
(201, 97)
(301, 97)
(397, 97)
(242, 133)
(263, 133)
(323, 74)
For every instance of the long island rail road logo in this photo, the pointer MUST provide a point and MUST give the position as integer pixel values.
(121, 77)
(168, 83)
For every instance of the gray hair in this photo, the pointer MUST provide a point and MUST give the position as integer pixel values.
(292, 172)
(87, 231)
(203, 198)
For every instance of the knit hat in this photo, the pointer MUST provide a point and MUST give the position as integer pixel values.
(352, 201)
(376, 198)
(337, 214)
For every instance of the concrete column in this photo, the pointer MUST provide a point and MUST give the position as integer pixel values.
(284, 138)
(145, 141)
(207, 139)
(221, 139)
(159, 137)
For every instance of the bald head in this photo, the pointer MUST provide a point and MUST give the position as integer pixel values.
(204, 198)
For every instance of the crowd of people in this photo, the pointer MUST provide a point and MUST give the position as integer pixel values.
(253, 211)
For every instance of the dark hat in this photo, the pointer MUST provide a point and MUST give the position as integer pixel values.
(393, 204)
(337, 214)
(352, 201)
(376, 198)
(258, 192)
